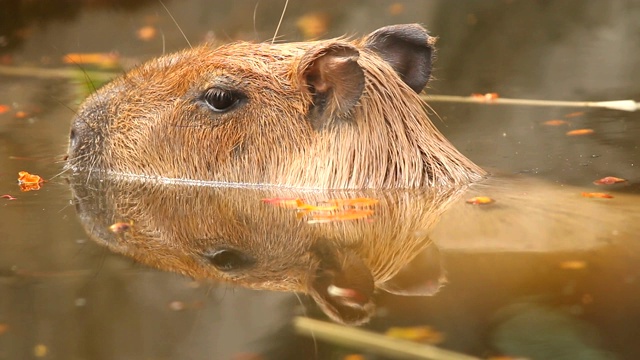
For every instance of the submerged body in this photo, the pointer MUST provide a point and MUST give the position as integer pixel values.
(333, 114)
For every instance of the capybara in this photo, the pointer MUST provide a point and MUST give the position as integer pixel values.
(331, 114)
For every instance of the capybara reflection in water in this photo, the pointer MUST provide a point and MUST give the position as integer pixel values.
(332, 114)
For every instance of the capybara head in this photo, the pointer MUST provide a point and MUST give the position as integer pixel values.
(337, 114)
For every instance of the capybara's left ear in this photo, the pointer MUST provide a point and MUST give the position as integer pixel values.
(331, 74)
(408, 49)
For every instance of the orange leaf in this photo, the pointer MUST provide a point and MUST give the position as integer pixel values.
(609, 180)
(555, 122)
(346, 215)
(574, 114)
(309, 207)
(28, 181)
(107, 60)
(146, 33)
(354, 357)
(313, 25)
(395, 9)
(573, 265)
(480, 200)
(357, 202)
(291, 203)
(488, 97)
(4, 108)
(423, 334)
(579, 132)
(597, 195)
(26, 178)
(21, 114)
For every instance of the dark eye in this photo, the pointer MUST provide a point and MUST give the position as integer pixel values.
(220, 100)
(229, 259)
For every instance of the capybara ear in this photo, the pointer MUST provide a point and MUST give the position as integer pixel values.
(342, 286)
(408, 49)
(331, 74)
(422, 276)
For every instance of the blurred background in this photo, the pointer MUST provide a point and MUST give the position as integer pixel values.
(63, 297)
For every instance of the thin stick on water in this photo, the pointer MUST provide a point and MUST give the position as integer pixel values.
(59, 73)
(623, 105)
(373, 342)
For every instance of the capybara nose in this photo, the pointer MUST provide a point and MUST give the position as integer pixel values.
(88, 131)
(81, 134)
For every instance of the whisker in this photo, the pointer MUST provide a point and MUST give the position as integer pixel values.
(284, 10)
(176, 23)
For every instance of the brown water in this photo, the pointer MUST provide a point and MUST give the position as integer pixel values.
(544, 274)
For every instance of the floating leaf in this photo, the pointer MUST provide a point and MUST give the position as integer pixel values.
(40, 350)
(292, 203)
(7, 196)
(395, 9)
(28, 181)
(480, 200)
(327, 211)
(4, 108)
(579, 132)
(574, 114)
(422, 334)
(354, 357)
(324, 208)
(313, 24)
(609, 180)
(346, 215)
(597, 195)
(147, 33)
(573, 265)
(488, 97)
(21, 114)
(555, 122)
(357, 202)
(104, 60)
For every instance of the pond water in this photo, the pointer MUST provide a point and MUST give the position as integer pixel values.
(543, 273)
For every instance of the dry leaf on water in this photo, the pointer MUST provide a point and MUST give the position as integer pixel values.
(579, 132)
(28, 181)
(480, 200)
(597, 195)
(104, 60)
(488, 97)
(609, 180)
(573, 265)
(555, 122)
(574, 114)
(422, 334)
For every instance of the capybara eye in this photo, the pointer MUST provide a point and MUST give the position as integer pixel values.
(220, 100)
(229, 259)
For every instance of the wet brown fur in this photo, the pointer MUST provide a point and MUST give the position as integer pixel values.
(149, 123)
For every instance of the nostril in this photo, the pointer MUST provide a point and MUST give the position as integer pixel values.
(72, 138)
